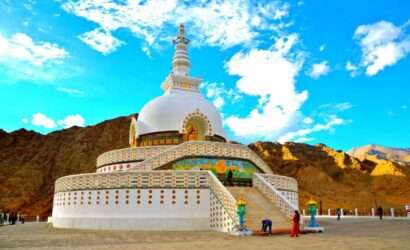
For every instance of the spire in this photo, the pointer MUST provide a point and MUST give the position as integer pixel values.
(179, 78)
(180, 62)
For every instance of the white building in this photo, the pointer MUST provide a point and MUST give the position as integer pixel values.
(172, 176)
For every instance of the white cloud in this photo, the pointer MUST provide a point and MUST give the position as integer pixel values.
(322, 47)
(353, 69)
(273, 83)
(304, 139)
(72, 120)
(21, 47)
(383, 44)
(71, 91)
(343, 106)
(24, 58)
(219, 94)
(25, 120)
(308, 120)
(327, 109)
(216, 23)
(298, 135)
(319, 69)
(101, 40)
(41, 120)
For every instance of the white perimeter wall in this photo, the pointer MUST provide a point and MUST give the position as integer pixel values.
(133, 209)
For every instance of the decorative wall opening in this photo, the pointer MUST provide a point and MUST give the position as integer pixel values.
(196, 128)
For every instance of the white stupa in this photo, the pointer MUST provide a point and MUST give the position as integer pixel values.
(182, 106)
(173, 174)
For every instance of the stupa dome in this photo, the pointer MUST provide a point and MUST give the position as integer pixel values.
(172, 111)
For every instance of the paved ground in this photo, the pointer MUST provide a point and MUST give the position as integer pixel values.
(346, 234)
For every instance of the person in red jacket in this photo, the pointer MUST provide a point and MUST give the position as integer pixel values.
(295, 224)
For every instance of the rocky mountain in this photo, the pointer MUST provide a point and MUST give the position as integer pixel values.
(376, 152)
(336, 178)
(31, 162)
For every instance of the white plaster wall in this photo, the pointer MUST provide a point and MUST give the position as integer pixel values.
(94, 213)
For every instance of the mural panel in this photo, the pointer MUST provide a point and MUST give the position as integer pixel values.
(241, 170)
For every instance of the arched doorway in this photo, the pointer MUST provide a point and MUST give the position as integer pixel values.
(196, 128)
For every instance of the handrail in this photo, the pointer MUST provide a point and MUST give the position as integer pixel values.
(226, 199)
(274, 195)
(129, 154)
(134, 179)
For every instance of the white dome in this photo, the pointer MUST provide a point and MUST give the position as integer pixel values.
(170, 111)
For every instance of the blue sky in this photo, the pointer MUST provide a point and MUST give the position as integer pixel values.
(334, 72)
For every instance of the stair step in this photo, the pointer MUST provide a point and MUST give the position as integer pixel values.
(259, 208)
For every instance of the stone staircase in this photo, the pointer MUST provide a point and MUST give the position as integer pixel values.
(259, 208)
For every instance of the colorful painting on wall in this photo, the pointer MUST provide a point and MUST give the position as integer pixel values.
(241, 170)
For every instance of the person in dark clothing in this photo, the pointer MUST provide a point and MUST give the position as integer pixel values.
(338, 213)
(267, 226)
(230, 177)
(380, 212)
(13, 218)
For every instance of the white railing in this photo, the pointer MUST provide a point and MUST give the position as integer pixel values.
(129, 155)
(287, 186)
(135, 179)
(202, 148)
(261, 183)
(223, 207)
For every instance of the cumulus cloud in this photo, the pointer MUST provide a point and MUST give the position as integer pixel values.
(72, 120)
(319, 69)
(22, 47)
(301, 134)
(382, 44)
(42, 120)
(101, 40)
(273, 83)
(216, 23)
(24, 58)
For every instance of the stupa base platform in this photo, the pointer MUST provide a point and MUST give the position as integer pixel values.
(134, 224)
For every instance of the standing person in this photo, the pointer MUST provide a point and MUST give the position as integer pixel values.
(230, 176)
(295, 224)
(338, 213)
(13, 218)
(380, 212)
